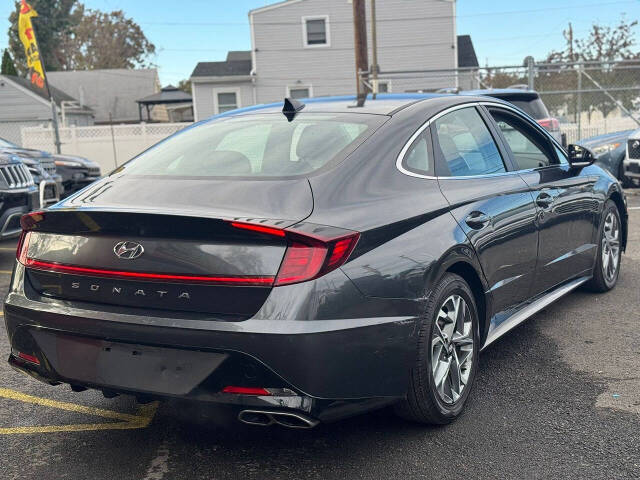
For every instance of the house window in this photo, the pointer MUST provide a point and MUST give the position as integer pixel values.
(227, 101)
(299, 91)
(315, 31)
(384, 87)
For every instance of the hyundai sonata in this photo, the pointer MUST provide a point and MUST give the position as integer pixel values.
(308, 262)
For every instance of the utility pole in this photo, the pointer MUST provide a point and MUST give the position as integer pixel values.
(570, 40)
(360, 43)
(374, 50)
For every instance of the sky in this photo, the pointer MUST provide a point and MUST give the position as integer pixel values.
(504, 32)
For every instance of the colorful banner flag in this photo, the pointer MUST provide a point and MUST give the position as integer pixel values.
(28, 39)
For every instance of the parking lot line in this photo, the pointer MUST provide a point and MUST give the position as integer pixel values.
(6, 272)
(127, 421)
(8, 249)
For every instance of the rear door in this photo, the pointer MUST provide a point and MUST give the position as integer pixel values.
(491, 203)
(567, 209)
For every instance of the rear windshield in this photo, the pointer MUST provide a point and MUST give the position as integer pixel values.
(265, 145)
(535, 108)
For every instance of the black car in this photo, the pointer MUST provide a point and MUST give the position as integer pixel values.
(18, 195)
(308, 263)
(76, 172)
(42, 168)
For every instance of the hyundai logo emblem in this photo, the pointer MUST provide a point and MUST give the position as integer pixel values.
(128, 250)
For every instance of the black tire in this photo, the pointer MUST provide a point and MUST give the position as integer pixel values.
(423, 402)
(600, 282)
(624, 180)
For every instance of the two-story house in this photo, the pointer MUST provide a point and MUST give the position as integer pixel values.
(304, 48)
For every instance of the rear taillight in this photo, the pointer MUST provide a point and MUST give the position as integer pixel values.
(551, 124)
(23, 247)
(312, 251)
(308, 255)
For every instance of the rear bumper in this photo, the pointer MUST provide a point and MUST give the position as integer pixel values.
(327, 368)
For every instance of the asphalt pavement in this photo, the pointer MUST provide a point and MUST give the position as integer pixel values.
(558, 397)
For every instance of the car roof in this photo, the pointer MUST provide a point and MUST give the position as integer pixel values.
(383, 104)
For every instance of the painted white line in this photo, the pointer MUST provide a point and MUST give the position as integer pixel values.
(633, 208)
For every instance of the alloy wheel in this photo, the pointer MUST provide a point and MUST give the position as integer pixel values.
(610, 247)
(452, 345)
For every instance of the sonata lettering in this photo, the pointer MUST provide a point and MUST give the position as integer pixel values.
(140, 292)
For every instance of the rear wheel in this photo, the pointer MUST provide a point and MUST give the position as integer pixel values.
(447, 357)
(607, 267)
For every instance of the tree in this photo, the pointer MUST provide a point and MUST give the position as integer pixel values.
(607, 47)
(55, 21)
(106, 40)
(8, 68)
(603, 44)
(185, 86)
(71, 37)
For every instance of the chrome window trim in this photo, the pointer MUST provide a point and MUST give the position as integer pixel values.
(427, 124)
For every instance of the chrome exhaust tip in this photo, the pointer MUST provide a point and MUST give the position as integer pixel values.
(265, 418)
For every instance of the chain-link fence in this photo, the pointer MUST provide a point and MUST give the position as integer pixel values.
(587, 98)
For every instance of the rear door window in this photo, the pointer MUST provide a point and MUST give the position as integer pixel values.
(465, 144)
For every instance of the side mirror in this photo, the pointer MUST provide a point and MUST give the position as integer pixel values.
(579, 156)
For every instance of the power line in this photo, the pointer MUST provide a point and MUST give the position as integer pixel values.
(402, 19)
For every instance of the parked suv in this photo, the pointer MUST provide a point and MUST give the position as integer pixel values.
(42, 168)
(18, 195)
(632, 162)
(76, 172)
(529, 102)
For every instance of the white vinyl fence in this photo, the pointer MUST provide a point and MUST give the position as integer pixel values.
(109, 146)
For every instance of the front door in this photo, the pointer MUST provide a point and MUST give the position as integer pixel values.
(564, 198)
(491, 204)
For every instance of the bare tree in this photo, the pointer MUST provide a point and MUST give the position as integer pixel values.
(106, 40)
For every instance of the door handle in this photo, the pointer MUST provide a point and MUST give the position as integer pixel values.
(477, 220)
(544, 200)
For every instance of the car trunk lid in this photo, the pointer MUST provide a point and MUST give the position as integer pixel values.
(173, 249)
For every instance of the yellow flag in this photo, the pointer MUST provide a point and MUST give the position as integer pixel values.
(28, 39)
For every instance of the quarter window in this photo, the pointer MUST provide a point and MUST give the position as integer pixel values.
(529, 148)
(417, 159)
(466, 145)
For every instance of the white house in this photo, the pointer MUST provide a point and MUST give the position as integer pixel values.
(304, 48)
(24, 105)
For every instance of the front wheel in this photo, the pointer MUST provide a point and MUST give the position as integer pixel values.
(447, 356)
(607, 266)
